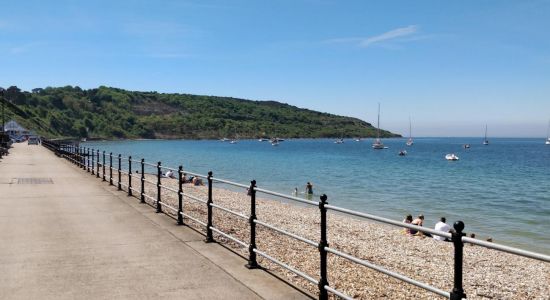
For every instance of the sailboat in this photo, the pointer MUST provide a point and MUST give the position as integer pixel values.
(410, 140)
(548, 135)
(485, 141)
(378, 143)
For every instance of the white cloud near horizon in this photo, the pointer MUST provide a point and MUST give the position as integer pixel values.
(393, 34)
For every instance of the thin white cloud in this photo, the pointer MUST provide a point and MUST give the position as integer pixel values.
(19, 49)
(398, 34)
(390, 35)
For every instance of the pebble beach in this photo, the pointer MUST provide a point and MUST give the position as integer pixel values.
(488, 274)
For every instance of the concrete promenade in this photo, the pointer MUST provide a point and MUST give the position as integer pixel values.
(76, 237)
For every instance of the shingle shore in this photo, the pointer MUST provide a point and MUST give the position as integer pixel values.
(488, 274)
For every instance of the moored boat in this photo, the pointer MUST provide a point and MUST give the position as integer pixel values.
(485, 140)
(378, 145)
(451, 156)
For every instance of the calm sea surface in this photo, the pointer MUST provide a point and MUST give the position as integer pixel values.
(500, 191)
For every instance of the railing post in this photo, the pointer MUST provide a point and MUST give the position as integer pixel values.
(142, 198)
(110, 168)
(458, 292)
(252, 262)
(92, 166)
(129, 175)
(119, 169)
(104, 165)
(180, 195)
(159, 173)
(88, 159)
(323, 281)
(97, 165)
(209, 236)
(80, 158)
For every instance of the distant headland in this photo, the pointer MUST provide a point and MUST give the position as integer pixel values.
(112, 113)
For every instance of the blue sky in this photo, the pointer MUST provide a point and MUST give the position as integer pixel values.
(451, 66)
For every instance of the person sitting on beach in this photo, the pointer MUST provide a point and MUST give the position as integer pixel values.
(442, 226)
(197, 181)
(170, 174)
(309, 188)
(419, 221)
(184, 178)
(408, 220)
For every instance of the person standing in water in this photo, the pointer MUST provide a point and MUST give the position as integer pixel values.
(309, 188)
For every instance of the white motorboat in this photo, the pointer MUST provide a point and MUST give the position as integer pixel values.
(402, 152)
(339, 141)
(451, 156)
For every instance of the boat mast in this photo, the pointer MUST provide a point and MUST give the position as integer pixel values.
(378, 124)
(410, 129)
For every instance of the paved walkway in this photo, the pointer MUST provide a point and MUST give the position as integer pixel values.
(78, 237)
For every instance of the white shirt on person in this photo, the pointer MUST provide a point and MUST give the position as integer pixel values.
(440, 226)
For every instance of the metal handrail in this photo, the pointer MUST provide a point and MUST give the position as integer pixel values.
(149, 197)
(512, 250)
(229, 237)
(134, 176)
(309, 202)
(230, 183)
(229, 211)
(309, 242)
(388, 272)
(389, 221)
(193, 198)
(193, 219)
(196, 174)
(291, 269)
(169, 188)
(149, 181)
(149, 164)
(337, 293)
(169, 207)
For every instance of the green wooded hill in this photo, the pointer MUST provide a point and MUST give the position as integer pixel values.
(111, 113)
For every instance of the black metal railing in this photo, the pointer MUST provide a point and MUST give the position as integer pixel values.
(81, 156)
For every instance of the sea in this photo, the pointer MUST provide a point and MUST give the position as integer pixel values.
(500, 191)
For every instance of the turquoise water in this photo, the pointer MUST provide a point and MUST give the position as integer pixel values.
(500, 191)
